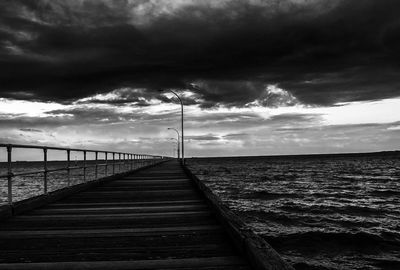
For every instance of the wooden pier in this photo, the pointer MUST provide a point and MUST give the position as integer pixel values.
(155, 218)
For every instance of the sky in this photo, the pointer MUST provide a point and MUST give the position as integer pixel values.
(256, 77)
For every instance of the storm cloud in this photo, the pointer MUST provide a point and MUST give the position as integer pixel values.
(321, 52)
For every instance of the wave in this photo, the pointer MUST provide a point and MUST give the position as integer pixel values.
(325, 210)
(266, 195)
(333, 251)
(360, 210)
(385, 193)
(330, 242)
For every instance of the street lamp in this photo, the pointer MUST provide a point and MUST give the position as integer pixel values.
(183, 138)
(177, 132)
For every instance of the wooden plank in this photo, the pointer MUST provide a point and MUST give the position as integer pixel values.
(220, 245)
(123, 222)
(158, 180)
(119, 210)
(152, 178)
(133, 198)
(143, 241)
(108, 232)
(129, 189)
(110, 216)
(195, 263)
(121, 204)
(202, 250)
(145, 185)
(128, 181)
(135, 193)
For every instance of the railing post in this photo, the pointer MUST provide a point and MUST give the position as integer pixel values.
(131, 161)
(105, 158)
(96, 165)
(9, 174)
(68, 166)
(45, 170)
(116, 162)
(125, 163)
(113, 163)
(119, 162)
(84, 166)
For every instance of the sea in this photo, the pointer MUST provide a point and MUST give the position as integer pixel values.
(317, 211)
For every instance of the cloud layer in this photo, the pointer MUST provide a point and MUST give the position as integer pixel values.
(321, 51)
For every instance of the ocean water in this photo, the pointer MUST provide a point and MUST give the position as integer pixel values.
(318, 212)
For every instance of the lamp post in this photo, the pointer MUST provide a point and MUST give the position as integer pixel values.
(183, 138)
(177, 132)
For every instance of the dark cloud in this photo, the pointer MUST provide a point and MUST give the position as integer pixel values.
(208, 137)
(235, 135)
(31, 130)
(229, 93)
(102, 116)
(89, 115)
(18, 122)
(295, 118)
(321, 51)
(86, 115)
(339, 128)
(352, 84)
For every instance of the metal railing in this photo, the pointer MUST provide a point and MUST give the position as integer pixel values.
(128, 162)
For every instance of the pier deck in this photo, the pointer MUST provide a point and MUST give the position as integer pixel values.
(155, 218)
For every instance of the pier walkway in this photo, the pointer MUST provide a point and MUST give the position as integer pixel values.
(155, 218)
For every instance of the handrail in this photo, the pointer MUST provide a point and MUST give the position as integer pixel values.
(129, 161)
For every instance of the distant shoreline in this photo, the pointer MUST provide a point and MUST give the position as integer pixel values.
(381, 153)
